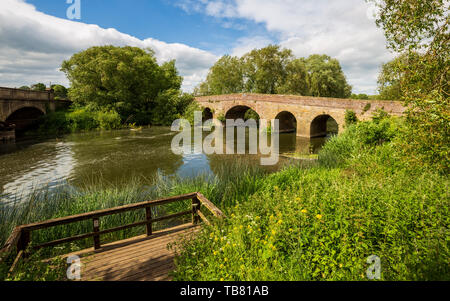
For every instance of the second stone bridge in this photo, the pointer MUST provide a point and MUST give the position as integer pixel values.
(308, 116)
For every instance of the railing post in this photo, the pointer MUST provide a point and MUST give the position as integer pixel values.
(96, 226)
(148, 214)
(24, 241)
(195, 208)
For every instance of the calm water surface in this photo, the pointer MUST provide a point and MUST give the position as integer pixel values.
(114, 156)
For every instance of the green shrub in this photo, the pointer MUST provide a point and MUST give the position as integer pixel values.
(108, 120)
(350, 117)
(82, 120)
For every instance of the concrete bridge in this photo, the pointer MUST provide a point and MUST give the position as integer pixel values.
(23, 107)
(308, 116)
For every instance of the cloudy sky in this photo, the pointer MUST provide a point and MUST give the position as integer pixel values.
(37, 35)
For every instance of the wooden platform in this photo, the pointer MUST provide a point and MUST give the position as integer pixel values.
(137, 259)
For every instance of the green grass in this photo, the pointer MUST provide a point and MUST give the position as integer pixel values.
(322, 223)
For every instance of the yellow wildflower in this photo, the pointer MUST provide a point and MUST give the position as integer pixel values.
(304, 211)
(319, 216)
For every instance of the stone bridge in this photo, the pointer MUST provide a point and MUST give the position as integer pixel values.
(24, 107)
(307, 116)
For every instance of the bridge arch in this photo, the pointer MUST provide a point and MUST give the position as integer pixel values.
(288, 122)
(207, 114)
(24, 117)
(242, 112)
(323, 125)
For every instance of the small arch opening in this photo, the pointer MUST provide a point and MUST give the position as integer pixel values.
(25, 118)
(324, 126)
(207, 114)
(242, 112)
(288, 122)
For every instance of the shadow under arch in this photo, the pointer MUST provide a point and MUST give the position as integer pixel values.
(323, 126)
(207, 114)
(24, 118)
(242, 112)
(288, 122)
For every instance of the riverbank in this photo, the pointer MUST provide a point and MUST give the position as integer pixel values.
(324, 223)
(306, 222)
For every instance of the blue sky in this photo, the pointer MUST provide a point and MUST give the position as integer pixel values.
(164, 20)
(37, 35)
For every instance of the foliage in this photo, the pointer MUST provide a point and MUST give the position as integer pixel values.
(127, 80)
(415, 27)
(251, 114)
(78, 119)
(225, 77)
(323, 224)
(326, 78)
(38, 87)
(265, 69)
(60, 91)
(273, 70)
(350, 117)
(33, 268)
(360, 96)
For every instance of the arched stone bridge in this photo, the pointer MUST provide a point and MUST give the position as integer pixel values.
(23, 107)
(309, 116)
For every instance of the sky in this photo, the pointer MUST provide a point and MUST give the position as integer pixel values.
(36, 36)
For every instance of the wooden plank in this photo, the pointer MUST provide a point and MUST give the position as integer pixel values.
(203, 217)
(94, 234)
(148, 215)
(96, 230)
(122, 254)
(211, 207)
(12, 240)
(16, 261)
(135, 241)
(105, 212)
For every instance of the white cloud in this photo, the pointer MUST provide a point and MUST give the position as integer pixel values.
(33, 46)
(342, 29)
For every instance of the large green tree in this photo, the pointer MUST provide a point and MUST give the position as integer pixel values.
(273, 70)
(225, 77)
(422, 26)
(124, 79)
(326, 78)
(38, 87)
(265, 69)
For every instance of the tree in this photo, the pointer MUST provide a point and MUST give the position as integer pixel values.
(123, 79)
(25, 88)
(326, 78)
(60, 91)
(38, 87)
(265, 69)
(225, 77)
(421, 26)
(296, 81)
(272, 70)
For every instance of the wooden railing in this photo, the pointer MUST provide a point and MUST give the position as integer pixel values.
(21, 235)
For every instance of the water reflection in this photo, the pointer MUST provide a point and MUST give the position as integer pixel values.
(115, 157)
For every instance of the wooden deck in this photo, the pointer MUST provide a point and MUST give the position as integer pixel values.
(140, 258)
(145, 257)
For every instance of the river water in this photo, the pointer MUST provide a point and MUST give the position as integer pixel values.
(114, 156)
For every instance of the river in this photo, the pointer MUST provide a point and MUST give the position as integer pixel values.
(113, 156)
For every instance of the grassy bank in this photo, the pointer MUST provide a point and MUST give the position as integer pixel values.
(324, 222)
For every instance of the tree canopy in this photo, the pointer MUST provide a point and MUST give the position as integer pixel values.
(272, 70)
(418, 29)
(127, 80)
